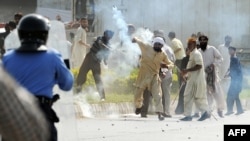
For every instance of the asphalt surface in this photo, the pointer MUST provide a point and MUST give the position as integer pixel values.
(134, 128)
(131, 127)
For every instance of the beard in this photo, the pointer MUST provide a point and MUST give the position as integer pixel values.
(157, 49)
(203, 46)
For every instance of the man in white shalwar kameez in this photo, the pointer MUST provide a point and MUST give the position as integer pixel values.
(223, 68)
(80, 46)
(195, 91)
(212, 59)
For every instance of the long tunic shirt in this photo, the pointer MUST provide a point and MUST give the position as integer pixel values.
(195, 90)
(214, 92)
(148, 76)
(223, 68)
(150, 65)
(79, 51)
(177, 44)
(196, 84)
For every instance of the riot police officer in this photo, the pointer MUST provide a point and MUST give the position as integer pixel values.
(38, 68)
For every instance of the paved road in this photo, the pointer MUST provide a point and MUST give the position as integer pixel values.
(134, 128)
(131, 127)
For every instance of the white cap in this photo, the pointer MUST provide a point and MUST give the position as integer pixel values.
(158, 40)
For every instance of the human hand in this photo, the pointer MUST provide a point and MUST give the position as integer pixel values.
(184, 72)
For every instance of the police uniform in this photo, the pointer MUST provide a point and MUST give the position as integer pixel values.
(38, 68)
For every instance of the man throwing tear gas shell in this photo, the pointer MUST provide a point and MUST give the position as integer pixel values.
(152, 59)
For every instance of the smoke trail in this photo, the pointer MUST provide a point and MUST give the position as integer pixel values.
(121, 25)
(125, 56)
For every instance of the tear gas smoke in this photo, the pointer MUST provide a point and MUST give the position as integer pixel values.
(125, 57)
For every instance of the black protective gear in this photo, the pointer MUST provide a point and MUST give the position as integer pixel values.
(33, 32)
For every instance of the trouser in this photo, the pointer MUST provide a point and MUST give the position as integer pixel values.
(146, 100)
(180, 105)
(217, 95)
(166, 89)
(155, 89)
(230, 103)
(178, 65)
(200, 103)
(156, 93)
(225, 83)
(91, 63)
(138, 100)
(233, 96)
(46, 107)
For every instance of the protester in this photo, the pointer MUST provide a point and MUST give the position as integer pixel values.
(148, 77)
(166, 82)
(80, 47)
(235, 72)
(212, 59)
(17, 17)
(99, 52)
(195, 91)
(179, 52)
(180, 105)
(223, 68)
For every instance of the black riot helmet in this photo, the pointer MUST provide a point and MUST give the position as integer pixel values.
(33, 32)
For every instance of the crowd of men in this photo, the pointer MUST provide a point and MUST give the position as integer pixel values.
(205, 73)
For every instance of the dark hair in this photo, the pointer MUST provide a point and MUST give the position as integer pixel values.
(12, 24)
(203, 36)
(18, 15)
(171, 34)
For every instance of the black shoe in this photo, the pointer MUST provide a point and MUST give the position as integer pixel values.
(160, 117)
(238, 113)
(196, 115)
(229, 113)
(204, 116)
(187, 118)
(137, 111)
(220, 113)
(166, 115)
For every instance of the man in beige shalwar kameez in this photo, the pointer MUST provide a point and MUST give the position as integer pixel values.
(80, 46)
(195, 91)
(152, 59)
